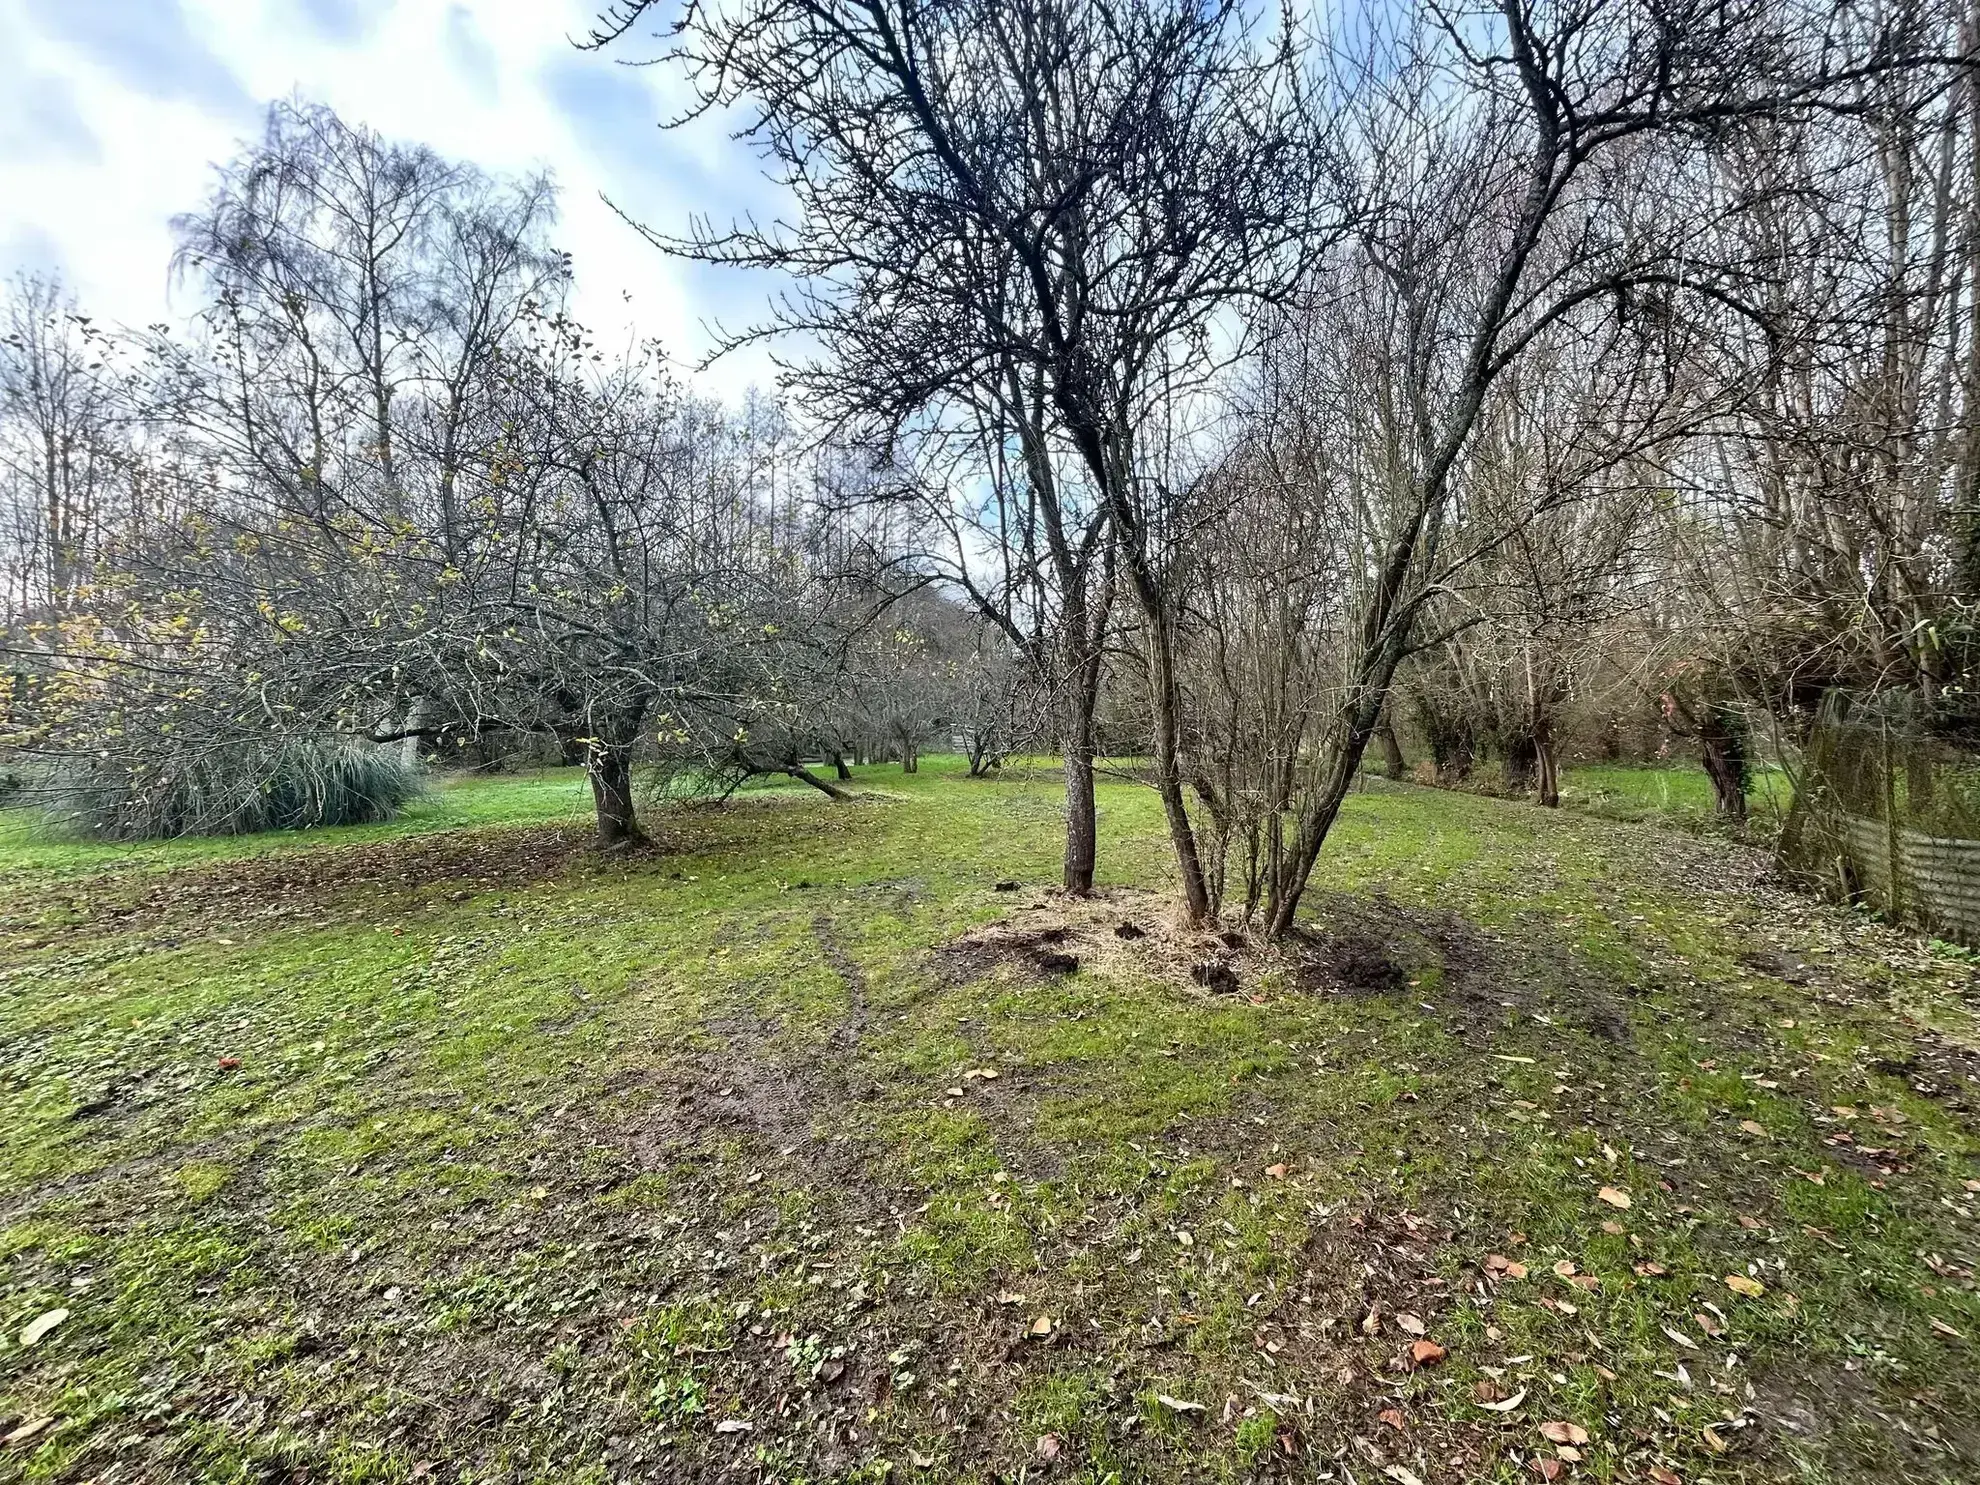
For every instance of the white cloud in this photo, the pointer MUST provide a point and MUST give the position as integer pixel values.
(107, 130)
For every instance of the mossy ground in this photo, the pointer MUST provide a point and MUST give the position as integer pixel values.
(450, 1150)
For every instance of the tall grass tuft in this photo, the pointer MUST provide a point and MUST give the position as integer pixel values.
(237, 788)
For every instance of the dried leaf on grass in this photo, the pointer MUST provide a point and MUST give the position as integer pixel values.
(1426, 1353)
(1560, 1431)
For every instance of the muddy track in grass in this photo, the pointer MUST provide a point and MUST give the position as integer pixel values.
(846, 1035)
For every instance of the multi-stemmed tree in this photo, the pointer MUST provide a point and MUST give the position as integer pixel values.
(1034, 219)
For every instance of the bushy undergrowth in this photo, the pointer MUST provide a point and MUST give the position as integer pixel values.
(232, 789)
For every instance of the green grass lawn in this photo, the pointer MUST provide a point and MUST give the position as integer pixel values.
(450, 1150)
(1674, 793)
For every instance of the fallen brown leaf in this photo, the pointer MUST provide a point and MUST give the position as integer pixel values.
(1559, 1431)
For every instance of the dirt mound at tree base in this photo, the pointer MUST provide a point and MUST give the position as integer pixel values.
(1119, 929)
(1130, 931)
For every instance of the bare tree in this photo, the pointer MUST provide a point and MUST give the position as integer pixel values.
(1044, 207)
(61, 406)
(1544, 193)
(358, 290)
(1830, 528)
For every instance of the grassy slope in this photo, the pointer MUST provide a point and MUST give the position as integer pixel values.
(537, 1167)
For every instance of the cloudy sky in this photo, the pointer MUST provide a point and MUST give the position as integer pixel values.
(113, 114)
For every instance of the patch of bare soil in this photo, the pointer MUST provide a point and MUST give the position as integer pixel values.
(791, 1116)
(1126, 930)
(1373, 945)
(1830, 1410)
(1351, 961)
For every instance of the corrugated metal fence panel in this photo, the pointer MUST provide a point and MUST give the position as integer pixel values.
(1938, 876)
(1872, 764)
(1945, 875)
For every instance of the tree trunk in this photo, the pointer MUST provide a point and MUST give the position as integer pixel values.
(1167, 707)
(416, 716)
(824, 786)
(839, 769)
(610, 767)
(1546, 769)
(1722, 740)
(1291, 872)
(1375, 675)
(1082, 817)
(1079, 744)
(1392, 753)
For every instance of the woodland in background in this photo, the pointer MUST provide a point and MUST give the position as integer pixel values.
(1177, 383)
